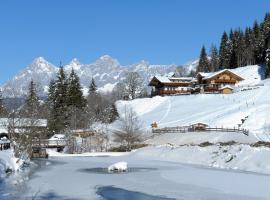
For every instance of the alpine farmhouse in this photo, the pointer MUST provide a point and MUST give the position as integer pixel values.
(216, 82)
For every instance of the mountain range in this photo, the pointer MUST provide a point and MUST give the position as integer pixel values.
(106, 71)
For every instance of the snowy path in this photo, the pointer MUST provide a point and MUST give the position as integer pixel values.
(71, 177)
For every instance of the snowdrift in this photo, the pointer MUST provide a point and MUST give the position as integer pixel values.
(8, 162)
(238, 157)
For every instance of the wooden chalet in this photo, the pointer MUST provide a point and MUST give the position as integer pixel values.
(162, 85)
(216, 81)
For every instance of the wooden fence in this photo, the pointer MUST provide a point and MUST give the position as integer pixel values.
(184, 129)
(49, 143)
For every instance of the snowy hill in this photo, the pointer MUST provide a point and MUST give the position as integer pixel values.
(106, 70)
(214, 109)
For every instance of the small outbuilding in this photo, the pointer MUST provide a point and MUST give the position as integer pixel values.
(154, 125)
(226, 89)
(199, 126)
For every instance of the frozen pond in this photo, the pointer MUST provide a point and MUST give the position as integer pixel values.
(87, 178)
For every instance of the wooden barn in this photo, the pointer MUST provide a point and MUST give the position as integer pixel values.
(213, 82)
(162, 85)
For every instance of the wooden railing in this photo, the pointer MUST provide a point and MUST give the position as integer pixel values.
(49, 143)
(184, 129)
(161, 92)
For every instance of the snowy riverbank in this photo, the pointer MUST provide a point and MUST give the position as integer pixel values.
(8, 162)
(238, 156)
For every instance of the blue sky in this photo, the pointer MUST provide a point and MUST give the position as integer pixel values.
(159, 31)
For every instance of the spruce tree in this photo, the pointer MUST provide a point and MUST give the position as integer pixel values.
(75, 101)
(74, 92)
(233, 39)
(265, 33)
(58, 114)
(3, 111)
(203, 62)
(248, 52)
(51, 93)
(258, 44)
(214, 62)
(224, 52)
(51, 106)
(92, 88)
(32, 101)
(267, 59)
(113, 114)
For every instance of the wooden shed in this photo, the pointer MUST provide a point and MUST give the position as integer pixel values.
(199, 126)
(226, 89)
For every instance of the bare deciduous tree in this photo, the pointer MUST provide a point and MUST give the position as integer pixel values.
(119, 91)
(130, 129)
(133, 84)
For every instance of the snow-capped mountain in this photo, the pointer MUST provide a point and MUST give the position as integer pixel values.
(106, 71)
(40, 71)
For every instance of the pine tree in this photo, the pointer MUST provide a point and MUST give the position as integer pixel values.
(75, 102)
(224, 52)
(3, 111)
(32, 101)
(248, 52)
(51, 92)
(266, 34)
(92, 88)
(258, 43)
(233, 39)
(74, 92)
(203, 62)
(58, 103)
(267, 59)
(214, 62)
(111, 114)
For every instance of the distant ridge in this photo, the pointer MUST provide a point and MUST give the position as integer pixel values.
(106, 71)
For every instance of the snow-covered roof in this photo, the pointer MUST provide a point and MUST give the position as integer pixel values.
(58, 137)
(163, 79)
(204, 74)
(4, 140)
(181, 78)
(20, 122)
(210, 75)
(166, 79)
(226, 86)
(213, 74)
(199, 123)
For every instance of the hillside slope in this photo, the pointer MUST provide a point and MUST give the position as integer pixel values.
(218, 110)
